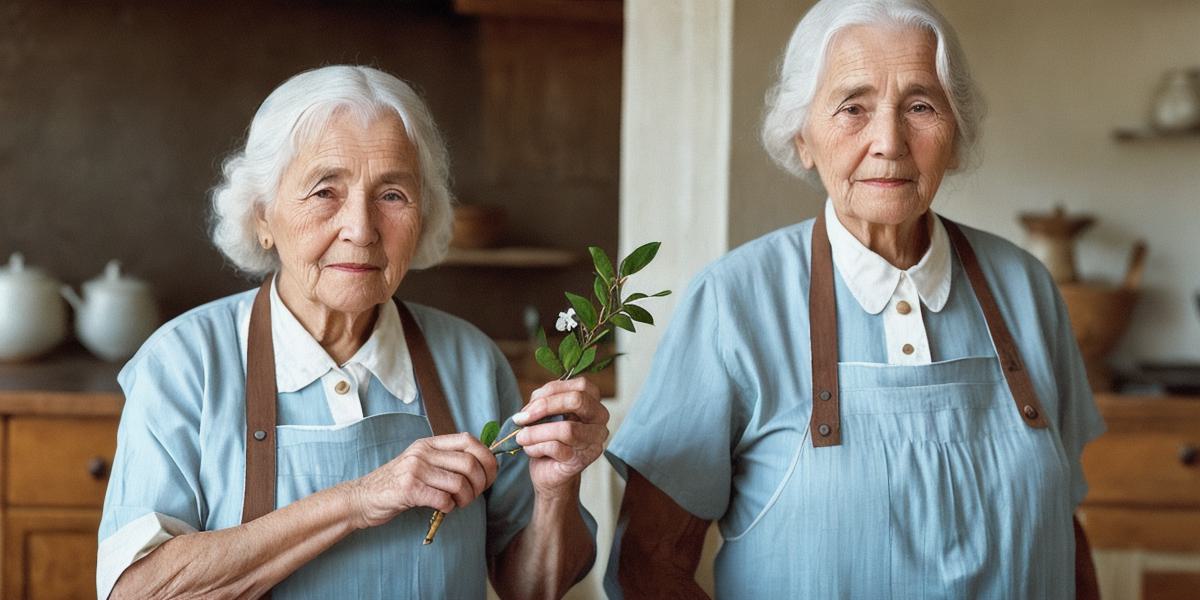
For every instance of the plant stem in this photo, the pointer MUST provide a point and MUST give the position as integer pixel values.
(496, 444)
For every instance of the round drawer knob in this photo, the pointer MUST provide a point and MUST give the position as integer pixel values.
(1189, 455)
(97, 467)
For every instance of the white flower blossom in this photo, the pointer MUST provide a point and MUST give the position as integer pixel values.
(566, 320)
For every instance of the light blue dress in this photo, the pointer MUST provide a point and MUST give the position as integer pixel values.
(938, 490)
(181, 452)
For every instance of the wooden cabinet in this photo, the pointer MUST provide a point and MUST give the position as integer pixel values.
(55, 453)
(1142, 512)
(50, 553)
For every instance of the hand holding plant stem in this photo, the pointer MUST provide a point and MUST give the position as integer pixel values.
(577, 351)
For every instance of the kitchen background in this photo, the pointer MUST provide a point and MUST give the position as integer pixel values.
(117, 116)
(591, 122)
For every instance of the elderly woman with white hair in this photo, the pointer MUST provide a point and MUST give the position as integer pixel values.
(879, 403)
(296, 439)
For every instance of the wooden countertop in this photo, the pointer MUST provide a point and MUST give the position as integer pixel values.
(68, 369)
(69, 381)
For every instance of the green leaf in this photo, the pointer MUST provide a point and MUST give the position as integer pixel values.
(569, 352)
(604, 266)
(634, 297)
(639, 258)
(491, 429)
(603, 364)
(583, 309)
(545, 357)
(585, 361)
(623, 322)
(540, 339)
(600, 288)
(603, 334)
(661, 294)
(638, 314)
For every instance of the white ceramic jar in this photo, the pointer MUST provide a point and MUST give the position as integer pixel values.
(33, 319)
(1177, 103)
(115, 315)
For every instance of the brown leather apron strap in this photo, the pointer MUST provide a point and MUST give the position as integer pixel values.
(260, 410)
(1015, 373)
(826, 424)
(261, 400)
(432, 397)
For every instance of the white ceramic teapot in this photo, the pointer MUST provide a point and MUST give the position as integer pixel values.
(115, 315)
(33, 319)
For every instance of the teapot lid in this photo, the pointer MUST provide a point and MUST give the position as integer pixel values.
(113, 281)
(16, 270)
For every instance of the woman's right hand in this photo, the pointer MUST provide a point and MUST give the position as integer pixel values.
(442, 472)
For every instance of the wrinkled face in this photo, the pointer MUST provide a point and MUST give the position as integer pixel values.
(880, 130)
(347, 216)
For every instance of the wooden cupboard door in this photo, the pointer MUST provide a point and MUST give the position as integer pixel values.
(1170, 585)
(50, 554)
(59, 462)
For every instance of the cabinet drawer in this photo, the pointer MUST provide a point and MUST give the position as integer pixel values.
(59, 461)
(1145, 468)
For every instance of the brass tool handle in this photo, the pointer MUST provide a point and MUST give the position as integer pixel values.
(435, 522)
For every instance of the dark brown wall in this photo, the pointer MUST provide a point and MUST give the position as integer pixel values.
(114, 118)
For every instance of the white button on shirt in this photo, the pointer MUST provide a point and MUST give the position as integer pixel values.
(880, 287)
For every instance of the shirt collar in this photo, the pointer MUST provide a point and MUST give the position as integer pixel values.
(872, 279)
(300, 359)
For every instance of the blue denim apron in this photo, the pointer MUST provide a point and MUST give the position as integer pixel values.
(285, 464)
(912, 481)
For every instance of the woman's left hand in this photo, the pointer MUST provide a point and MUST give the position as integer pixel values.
(559, 451)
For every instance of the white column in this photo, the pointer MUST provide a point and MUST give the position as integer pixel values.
(693, 174)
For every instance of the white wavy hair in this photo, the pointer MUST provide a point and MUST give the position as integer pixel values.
(290, 117)
(803, 65)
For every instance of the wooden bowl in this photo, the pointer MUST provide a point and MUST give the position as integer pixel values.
(1099, 317)
(477, 225)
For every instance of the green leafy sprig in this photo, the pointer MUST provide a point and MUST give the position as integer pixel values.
(577, 351)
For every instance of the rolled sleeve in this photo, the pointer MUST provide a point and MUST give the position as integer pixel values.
(153, 492)
(131, 543)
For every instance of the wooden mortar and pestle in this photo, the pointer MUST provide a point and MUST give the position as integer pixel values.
(1099, 311)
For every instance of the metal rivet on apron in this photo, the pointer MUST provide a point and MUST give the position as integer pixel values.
(825, 395)
(1030, 412)
(260, 435)
(823, 429)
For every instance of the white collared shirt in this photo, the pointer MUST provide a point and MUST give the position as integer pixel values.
(901, 295)
(299, 361)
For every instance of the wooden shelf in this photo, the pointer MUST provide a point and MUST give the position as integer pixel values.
(596, 11)
(512, 257)
(1145, 134)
